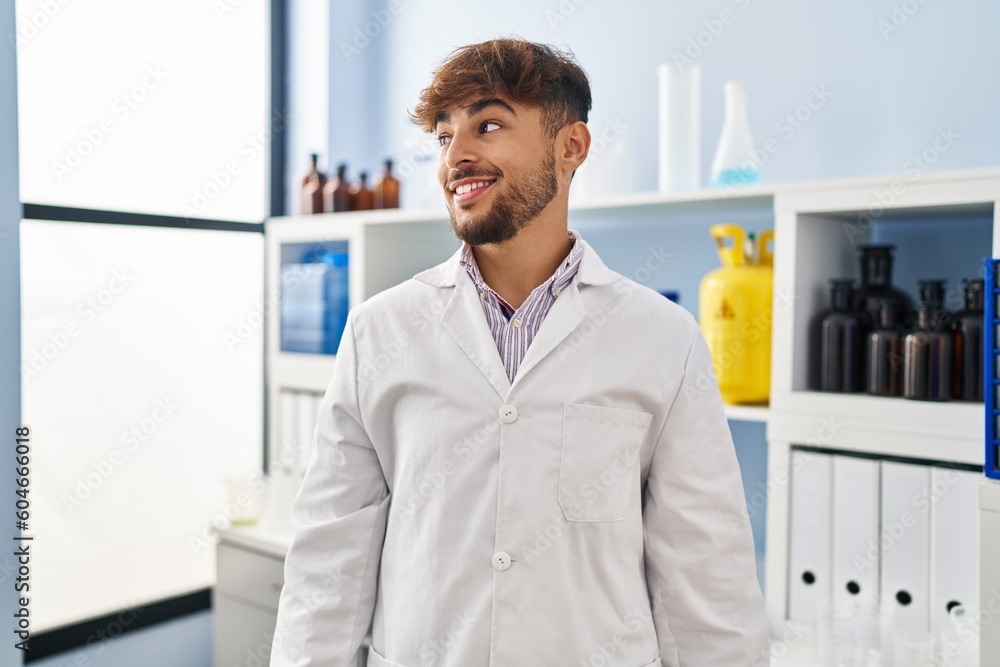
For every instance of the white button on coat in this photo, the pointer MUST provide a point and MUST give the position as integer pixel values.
(508, 414)
(621, 496)
(501, 561)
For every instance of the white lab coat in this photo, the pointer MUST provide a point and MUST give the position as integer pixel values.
(591, 513)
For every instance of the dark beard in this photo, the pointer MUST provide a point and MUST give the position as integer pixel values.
(527, 196)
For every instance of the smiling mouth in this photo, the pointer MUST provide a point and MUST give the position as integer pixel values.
(469, 191)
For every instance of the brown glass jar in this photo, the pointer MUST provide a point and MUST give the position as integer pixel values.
(312, 188)
(876, 282)
(362, 198)
(838, 339)
(968, 327)
(928, 358)
(932, 293)
(386, 191)
(884, 375)
(337, 193)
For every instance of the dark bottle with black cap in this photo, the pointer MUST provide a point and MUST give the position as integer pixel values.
(884, 375)
(932, 294)
(876, 282)
(969, 343)
(838, 342)
(928, 357)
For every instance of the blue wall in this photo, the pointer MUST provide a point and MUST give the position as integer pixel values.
(891, 87)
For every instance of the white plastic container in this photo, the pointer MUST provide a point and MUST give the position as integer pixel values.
(680, 129)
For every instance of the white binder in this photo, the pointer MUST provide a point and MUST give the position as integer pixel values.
(954, 544)
(809, 534)
(855, 531)
(905, 541)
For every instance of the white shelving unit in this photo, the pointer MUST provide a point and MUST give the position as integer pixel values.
(817, 229)
(388, 247)
(385, 248)
(748, 413)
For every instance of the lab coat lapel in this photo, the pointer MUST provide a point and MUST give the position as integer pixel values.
(567, 312)
(464, 319)
(565, 315)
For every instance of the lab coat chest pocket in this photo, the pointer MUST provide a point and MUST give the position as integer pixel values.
(600, 455)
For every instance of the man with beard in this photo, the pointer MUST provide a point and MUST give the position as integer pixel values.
(543, 473)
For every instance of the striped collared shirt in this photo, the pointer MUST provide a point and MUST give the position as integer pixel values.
(514, 328)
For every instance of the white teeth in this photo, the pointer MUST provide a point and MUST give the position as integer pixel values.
(469, 187)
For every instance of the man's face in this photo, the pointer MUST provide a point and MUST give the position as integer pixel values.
(497, 168)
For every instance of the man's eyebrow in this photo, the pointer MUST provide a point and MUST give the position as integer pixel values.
(476, 107)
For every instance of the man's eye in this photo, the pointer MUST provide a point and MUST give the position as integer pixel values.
(442, 139)
(487, 124)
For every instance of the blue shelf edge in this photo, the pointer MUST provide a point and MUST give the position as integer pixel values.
(990, 354)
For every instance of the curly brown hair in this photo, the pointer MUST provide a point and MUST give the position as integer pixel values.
(535, 75)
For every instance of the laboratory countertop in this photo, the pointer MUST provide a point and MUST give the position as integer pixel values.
(271, 535)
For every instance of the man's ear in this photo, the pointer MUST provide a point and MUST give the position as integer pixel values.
(573, 146)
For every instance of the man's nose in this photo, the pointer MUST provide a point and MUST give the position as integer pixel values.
(460, 151)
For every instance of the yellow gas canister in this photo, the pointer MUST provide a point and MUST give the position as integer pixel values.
(735, 314)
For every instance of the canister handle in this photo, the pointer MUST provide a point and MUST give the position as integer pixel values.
(729, 255)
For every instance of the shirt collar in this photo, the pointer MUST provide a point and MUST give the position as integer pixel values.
(592, 270)
(557, 282)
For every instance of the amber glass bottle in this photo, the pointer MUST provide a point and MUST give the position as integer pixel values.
(387, 189)
(928, 358)
(969, 344)
(838, 342)
(337, 193)
(932, 293)
(884, 376)
(361, 195)
(312, 188)
(876, 283)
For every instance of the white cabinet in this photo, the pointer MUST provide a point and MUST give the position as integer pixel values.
(989, 584)
(243, 632)
(953, 218)
(255, 577)
(245, 600)
(250, 563)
